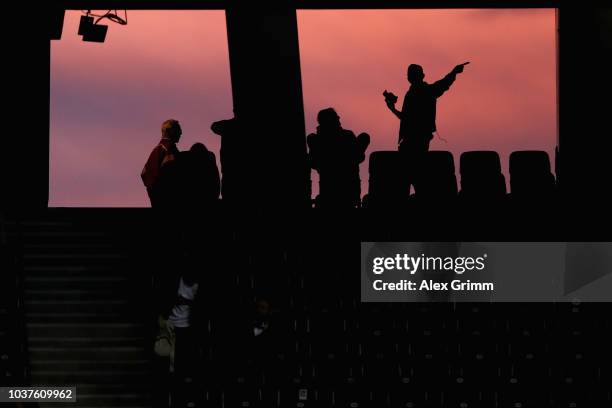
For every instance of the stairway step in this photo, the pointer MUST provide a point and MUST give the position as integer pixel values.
(59, 377)
(77, 294)
(82, 330)
(78, 283)
(92, 352)
(85, 323)
(80, 256)
(67, 239)
(67, 247)
(46, 223)
(134, 342)
(62, 233)
(77, 259)
(89, 272)
(88, 269)
(68, 317)
(90, 365)
(70, 262)
(80, 279)
(82, 305)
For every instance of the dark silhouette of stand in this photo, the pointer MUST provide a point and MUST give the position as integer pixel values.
(264, 58)
(199, 177)
(438, 181)
(335, 153)
(386, 186)
(235, 166)
(481, 177)
(530, 175)
(533, 187)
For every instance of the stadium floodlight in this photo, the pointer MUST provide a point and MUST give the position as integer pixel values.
(94, 32)
(86, 22)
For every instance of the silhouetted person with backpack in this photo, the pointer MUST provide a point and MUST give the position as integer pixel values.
(418, 115)
(335, 153)
(158, 172)
(199, 177)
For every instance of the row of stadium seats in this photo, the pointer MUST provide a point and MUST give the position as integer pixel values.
(480, 171)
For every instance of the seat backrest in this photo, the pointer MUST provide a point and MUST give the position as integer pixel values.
(438, 175)
(530, 173)
(481, 174)
(386, 173)
(478, 162)
(529, 162)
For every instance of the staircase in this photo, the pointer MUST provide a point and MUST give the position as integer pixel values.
(85, 312)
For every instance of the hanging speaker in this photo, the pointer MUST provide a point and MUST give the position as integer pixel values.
(56, 23)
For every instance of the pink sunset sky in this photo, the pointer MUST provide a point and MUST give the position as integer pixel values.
(108, 100)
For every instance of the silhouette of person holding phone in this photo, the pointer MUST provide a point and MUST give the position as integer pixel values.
(418, 114)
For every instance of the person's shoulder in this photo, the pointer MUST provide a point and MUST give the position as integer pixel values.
(427, 87)
(348, 133)
(167, 145)
(158, 149)
(313, 137)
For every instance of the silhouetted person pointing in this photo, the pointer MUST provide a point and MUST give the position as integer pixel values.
(418, 114)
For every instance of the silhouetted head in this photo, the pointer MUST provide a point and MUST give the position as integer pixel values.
(262, 307)
(415, 74)
(171, 130)
(198, 148)
(328, 118)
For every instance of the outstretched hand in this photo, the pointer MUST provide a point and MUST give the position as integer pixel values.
(459, 68)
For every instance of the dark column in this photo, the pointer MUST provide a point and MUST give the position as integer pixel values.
(585, 92)
(267, 92)
(25, 146)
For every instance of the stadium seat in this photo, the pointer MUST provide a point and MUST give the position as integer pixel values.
(530, 174)
(481, 176)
